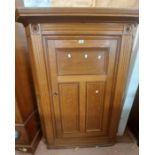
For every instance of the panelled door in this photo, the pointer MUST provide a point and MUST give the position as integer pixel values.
(81, 71)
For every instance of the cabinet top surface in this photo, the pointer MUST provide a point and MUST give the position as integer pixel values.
(46, 15)
(49, 10)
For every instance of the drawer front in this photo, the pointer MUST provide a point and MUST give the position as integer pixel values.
(82, 61)
(22, 136)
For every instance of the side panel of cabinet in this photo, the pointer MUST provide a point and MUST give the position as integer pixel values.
(41, 82)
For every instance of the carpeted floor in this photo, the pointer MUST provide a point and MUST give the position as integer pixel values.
(125, 145)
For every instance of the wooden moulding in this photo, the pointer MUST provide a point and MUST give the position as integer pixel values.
(46, 15)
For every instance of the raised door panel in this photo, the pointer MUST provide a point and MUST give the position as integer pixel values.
(69, 105)
(94, 106)
(83, 61)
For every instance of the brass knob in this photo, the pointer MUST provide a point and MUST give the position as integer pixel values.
(55, 93)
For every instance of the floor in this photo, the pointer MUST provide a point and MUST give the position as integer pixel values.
(124, 146)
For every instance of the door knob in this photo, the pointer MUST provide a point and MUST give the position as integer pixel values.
(55, 93)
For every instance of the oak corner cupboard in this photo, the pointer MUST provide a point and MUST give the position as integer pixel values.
(80, 59)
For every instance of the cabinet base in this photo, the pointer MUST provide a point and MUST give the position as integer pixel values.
(81, 142)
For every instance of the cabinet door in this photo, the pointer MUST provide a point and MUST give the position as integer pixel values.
(81, 73)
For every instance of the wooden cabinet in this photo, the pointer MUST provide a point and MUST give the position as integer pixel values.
(80, 59)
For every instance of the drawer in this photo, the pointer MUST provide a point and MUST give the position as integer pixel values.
(81, 43)
(22, 136)
(82, 61)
